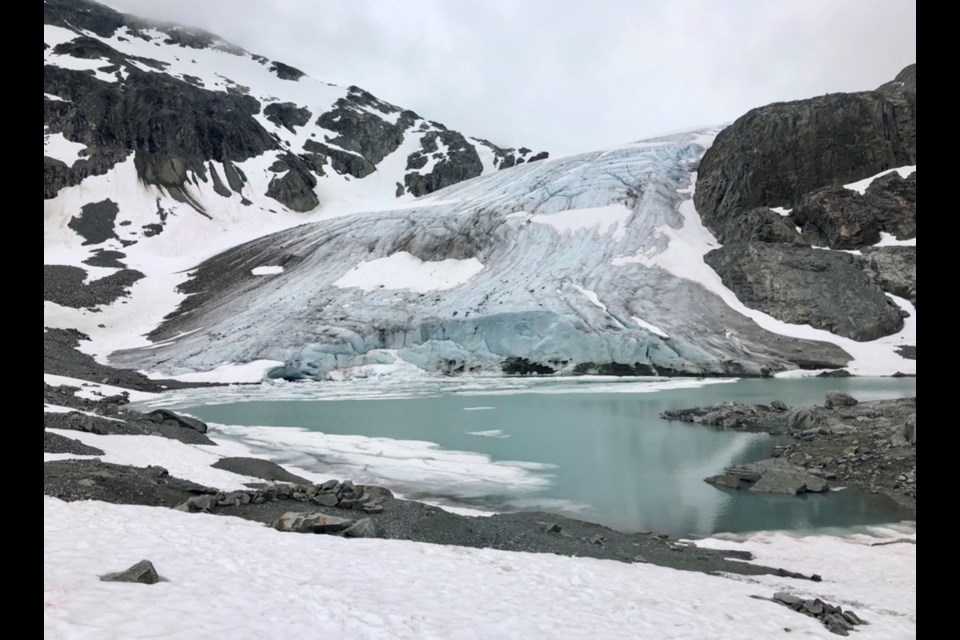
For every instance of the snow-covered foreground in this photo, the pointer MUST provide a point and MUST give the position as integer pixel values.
(230, 578)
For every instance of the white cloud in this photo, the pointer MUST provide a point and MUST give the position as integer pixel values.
(566, 75)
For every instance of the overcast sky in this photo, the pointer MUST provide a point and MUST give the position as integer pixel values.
(570, 76)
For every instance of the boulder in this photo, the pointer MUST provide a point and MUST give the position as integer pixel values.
(826, 289)
(724, 480)
(163, 415)
(910, 430)
(142, 572)
(363, 528)
(299, 522)
(895, 269)
(780, 482)
(837, 399)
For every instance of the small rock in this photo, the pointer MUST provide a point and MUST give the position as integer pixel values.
(816, 485)
(839, 399)
(554, 528)
(363, 528)
(142, 572)
(836, 624)
(781, 482)
(727, 481)
(330, 486)
(813, 607)
(640, 559)
(779, 405)
(597, 539)
(326, 499)
(851, 617)
(205, 503)
(786, 598)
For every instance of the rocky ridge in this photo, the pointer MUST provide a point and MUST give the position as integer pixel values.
(868, 445)
(116, 84)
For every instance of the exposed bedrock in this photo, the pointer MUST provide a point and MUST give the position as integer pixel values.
(177, 127)
(895, 269)
(775, 154)
(841, 218)
(825, 289)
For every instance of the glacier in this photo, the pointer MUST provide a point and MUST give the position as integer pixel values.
(589, 264)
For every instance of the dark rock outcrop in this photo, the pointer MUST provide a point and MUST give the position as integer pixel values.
(762, 225)
(286, 72)
(294, 188)
(844, 219)
(825, 289)
(459, 161)
(56, 443)
(775, 154)
(95, 222)
(177, 128)
(869, 445)
(64, 285)
(72, 480)
(287, 114)
(362, 131)
(142, 572)
(895, 269)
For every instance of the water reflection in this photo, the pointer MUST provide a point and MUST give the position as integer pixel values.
(611, 459)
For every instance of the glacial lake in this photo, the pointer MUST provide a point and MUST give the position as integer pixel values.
(594, 449)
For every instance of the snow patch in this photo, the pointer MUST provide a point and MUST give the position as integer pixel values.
(649, 327)
(400, 463)
(860, 186)
(257, 575)
(227, 373)
(56, 146)
(93, 390)
(267, 271)
(889, 240)
(611, 219)
(782, 211)
(403, 270)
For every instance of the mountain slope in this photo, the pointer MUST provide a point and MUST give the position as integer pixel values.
(210, 126)
(166, 148)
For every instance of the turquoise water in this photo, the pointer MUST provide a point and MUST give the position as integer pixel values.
(598, 451)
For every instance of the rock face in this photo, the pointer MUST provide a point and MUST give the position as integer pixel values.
(181, 119)
(797, 157)
(841, 218)
(895, 269)
(825, 289)
(775, 154)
